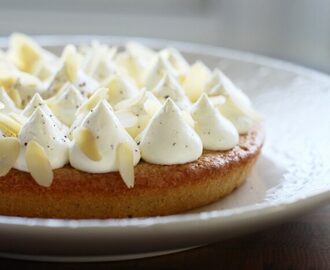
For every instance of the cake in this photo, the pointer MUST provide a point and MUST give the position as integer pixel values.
(106, 132)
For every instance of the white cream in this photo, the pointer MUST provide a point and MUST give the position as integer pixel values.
(176, 60)
(135, 113)
(168, 139)
(65, 103)
(215, 131)
(168, 87)
(237, 107)
(109, 133)
(119, 89)
(40, 128)
(38, 102)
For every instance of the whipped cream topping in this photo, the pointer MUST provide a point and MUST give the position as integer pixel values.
(38, 102)
(156, 72)
(100, 109)
(168, 139)
(119, 89)
(108, 134)
(215, 131)
(40, 128)
(135, 113)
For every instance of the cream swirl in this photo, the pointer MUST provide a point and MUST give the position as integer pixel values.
(98, 154)
(38, 102)
(135, 113)
(168, 87)
(41, 128)
(215, 131)
(65, 103)
(156, 72)
(168, 139)
(237, 107)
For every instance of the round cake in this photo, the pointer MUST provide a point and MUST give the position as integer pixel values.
(106, 133)
(158, 190)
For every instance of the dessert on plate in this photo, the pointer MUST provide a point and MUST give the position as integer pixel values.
(107, 132)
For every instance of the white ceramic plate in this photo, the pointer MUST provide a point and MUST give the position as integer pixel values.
(291, 176)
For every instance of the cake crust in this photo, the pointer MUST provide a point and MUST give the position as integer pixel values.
(158, 189)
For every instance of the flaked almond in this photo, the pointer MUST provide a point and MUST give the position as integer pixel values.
(38, 164)
(87, 143)
(15, 96)
(9, 151)
(19, 118)
(100, 94)
(9, 126)
(125, 159)
(71, 62)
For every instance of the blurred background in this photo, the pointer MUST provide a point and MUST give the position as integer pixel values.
(293, 30)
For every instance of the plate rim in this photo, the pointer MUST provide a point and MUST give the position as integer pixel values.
(241, 213)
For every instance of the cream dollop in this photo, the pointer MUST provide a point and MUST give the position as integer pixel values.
(158, 68)
(237, 107)
(215, 131)
(41, 129)
(106, 134)
(38, 102)
(168, 139)
(65, 103)
(168, 87)
(136, 112)
(119, 88)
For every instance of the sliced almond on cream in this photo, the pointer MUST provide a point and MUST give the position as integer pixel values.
(71, 60)
(19, 118)
(100, 94)
(9, 126)
(24, 52)
(7, 79)
(38, 164)
(9, 151)
(15, 96)
(125, 157)
(195, 80)
(86, 141)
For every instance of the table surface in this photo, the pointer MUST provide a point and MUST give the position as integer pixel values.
(303, 243)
